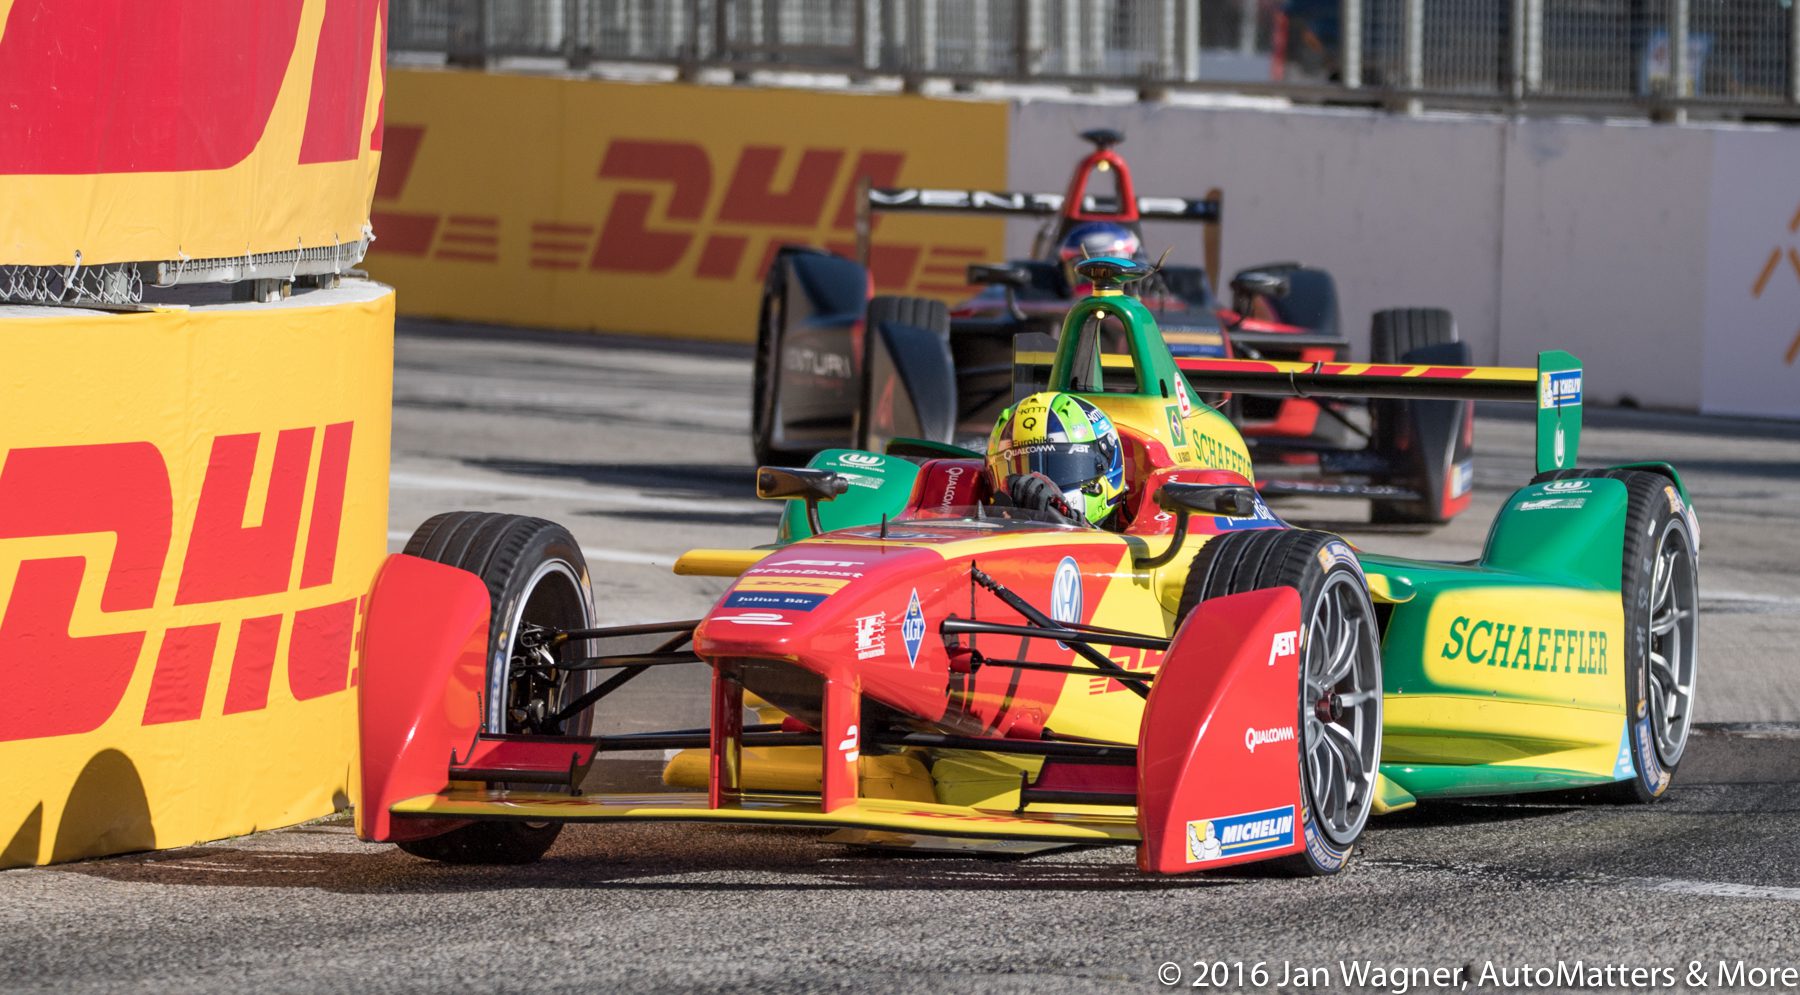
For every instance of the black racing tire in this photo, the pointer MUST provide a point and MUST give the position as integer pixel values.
(766, 386)
(1659, 698)
(1335, 610)
(1409, 336)
(1397, 331)
(919, 312)
(535, 573)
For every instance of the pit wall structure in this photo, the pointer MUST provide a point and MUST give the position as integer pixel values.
(1667, 258)
(193, 500)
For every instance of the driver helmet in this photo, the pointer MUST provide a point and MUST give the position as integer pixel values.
(1066, 439)
(1093, 239)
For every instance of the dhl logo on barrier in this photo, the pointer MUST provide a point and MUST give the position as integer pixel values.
(65, 666)
(718, 212)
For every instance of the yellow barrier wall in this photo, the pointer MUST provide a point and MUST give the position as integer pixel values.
(192, 505)
(134, 131)
(654, 208)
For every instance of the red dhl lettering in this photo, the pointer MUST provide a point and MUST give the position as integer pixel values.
(54, 682)
(685, 240)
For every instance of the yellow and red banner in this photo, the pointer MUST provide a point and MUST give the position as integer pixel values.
(192, 505)
(148, 130)
(656, 208)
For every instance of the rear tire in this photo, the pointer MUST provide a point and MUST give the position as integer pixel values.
(918, 312)
(1393, 335)
(535, 575)
(1397, 331)
(765, 399)
(1339, 698)
(1660, 585)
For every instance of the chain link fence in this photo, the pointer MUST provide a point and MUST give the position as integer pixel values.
(1725, 56)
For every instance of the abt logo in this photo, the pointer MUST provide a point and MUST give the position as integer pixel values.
(1284, 644)
(67, 656)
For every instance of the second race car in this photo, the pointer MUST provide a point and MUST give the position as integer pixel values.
(835, 367)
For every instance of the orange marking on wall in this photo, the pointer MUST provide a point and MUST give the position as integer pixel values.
(1768, 270)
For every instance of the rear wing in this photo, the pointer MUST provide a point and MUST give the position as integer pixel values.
(1208, 210)
(1554, 387)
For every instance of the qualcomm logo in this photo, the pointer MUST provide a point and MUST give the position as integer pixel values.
(1254, 738)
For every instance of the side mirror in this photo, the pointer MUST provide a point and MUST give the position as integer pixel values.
(1181, 500)
(775, 483)
(988, 274)
(1230, 500)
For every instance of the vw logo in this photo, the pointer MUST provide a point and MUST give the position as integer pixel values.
(1564, 486)
(860, 459)
(1065, 592)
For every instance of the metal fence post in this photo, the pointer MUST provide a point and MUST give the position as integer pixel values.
(1351, 24)
(1190, 40)
(923, 36)
(1412, 53)
(1071, 38)
(1680, 72)
(1093, 37)
(1247, 17)
(1794, 52)
(1527, 56)
(869, 34)
(1029, 40)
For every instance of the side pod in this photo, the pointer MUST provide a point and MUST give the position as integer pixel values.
(419, 687)
(1218, 751)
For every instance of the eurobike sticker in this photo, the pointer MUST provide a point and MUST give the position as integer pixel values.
(787, 601)
(1238, 835)
(912, 629)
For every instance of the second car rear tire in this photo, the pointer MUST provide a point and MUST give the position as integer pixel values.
(1397, 331)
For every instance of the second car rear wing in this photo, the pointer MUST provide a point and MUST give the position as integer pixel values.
(1554, 387)
(1208, 210)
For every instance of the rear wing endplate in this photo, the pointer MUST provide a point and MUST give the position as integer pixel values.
(1554, 387)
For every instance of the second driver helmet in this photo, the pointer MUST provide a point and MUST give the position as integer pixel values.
(1094, 239)
(1066, 439)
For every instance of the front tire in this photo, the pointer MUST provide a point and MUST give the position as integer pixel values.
(1660, 586)
(1339, 698)
(535, 575)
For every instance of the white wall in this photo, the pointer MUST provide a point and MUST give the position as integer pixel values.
(1617, 241)
(1752, 363)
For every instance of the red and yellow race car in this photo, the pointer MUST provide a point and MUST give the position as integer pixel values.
(918, 661)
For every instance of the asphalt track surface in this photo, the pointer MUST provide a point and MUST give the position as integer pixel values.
(642, 452)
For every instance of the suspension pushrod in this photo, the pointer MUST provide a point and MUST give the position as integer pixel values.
(1074, 636)
(623, 660)
(1063, 668)
(1038, 618)
(616, 681)
(608, 631)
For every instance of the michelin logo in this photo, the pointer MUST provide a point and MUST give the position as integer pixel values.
(1560, 390)
(1237, 835)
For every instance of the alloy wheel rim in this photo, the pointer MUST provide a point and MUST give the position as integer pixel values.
(1674, 616)
(1341, 707)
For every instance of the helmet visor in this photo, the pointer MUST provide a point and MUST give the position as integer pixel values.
(1070, 465)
